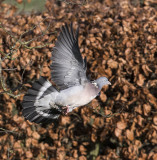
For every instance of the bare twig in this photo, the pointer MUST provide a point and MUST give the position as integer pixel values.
(9, 92)
(73, 2)
(108, 115)
(7, 131)
(17, 43)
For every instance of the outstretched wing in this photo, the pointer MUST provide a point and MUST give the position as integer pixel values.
(68, 68)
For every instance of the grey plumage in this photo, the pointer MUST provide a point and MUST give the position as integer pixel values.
(68, 70)
(38, 113)
(68, 67)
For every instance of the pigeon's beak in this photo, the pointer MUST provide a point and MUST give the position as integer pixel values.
(109, 83)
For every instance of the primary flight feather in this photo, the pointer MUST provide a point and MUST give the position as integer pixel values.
(44, 102)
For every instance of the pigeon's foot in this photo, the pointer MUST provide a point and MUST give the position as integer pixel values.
(65, 110)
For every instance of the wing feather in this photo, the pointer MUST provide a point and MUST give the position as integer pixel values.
(68, 68)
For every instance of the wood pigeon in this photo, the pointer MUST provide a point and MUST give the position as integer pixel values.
(68, 71)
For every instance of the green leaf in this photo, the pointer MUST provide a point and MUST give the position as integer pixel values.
(94, 153)
(28, 7)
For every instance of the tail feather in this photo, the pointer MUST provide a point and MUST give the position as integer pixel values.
(33, 92)
(28, 110)
(30, 98)
(38, 113)
(27, 104)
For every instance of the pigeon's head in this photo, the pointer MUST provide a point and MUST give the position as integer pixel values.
(102, 81)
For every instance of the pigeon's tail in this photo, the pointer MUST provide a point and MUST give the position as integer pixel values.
(36, 103)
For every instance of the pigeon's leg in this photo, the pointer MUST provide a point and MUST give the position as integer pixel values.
(65, 109)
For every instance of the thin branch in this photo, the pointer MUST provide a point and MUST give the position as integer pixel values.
(73, 2)
(9, 92)
(108, 115)
(7, 131)
(18, 43)
(11, 69)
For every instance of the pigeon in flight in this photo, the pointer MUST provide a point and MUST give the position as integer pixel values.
(44, 102)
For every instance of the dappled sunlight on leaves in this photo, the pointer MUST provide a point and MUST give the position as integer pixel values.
(119, 40)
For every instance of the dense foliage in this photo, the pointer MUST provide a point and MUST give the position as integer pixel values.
(119, 39)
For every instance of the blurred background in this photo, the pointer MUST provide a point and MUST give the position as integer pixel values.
(119, 38)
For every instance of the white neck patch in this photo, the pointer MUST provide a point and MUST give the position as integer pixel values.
(95, 84)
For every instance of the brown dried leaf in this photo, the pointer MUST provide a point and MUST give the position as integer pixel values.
(130, 135)
(103, 97)
(140, 80)
(118, 132)
(93, 137)
(146, 69)
(146, 109)
(112, 64)
(29, 154)
(75, 143)
(36, 135)
(29, 131)
(65, 120)
(121, 125)
(155, 120)
(82, 158)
